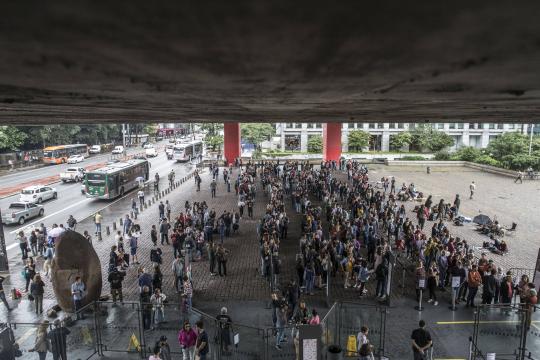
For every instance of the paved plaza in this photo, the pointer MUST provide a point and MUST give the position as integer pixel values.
(246, 293)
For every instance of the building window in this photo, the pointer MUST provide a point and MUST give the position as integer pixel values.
(297, 125)
(500, 126)
(289, 125)
(511, 126)
(371, 125)
(351, 125)
(359, 125)
(452, 125)
(440, 126)
(401, 125)
(380, 125)
(392, 126)
(460, 125)
(472, 125)
(318, 125)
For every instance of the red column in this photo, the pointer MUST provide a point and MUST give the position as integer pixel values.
(231, 141)
(331, 141)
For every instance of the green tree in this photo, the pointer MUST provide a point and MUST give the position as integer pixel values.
(11, 138)
(399, 141)
(358, 140)
(426, 137)
(511, 143)
(211, 129)
(59, 134)
(315, 144)
(256, 133)
(467, 153)
(214, 142)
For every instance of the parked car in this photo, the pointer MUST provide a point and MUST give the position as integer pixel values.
(148, 145)
(19, 212)
(37, 194)
(95, 149)
(169, 151)
(73, 159)
(73, 174)
(118, 149)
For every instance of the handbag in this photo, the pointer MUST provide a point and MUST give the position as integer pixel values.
(30, 297)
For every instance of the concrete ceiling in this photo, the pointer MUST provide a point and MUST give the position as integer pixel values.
(247, 60)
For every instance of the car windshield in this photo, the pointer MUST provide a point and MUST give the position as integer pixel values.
(48, 153)
(95, 178)
(16, 206)
(27, 192)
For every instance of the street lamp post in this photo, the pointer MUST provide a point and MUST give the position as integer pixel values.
(531, 139)
(4, 265)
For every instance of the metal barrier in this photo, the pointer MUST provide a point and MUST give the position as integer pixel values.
(506, 331)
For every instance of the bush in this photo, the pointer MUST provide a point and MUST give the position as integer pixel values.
(412, 158)
(467, 153)
(442, 155)
(520, 161)
(487, 160)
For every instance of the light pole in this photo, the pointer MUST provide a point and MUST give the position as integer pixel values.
(4, 264)
(531, 138)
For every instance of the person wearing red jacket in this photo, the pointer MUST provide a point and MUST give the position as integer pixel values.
(187, 337)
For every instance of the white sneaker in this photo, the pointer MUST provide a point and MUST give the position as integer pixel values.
(436, 303)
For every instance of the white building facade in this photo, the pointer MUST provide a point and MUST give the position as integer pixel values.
(295, 136)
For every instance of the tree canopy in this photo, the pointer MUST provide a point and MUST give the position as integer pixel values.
(315, 144)
(426, 137)
(358, 140)
(400, 140)
(11, 138)
(256, 133)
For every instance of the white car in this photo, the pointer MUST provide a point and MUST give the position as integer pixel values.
(118, 149)
(148, 146)
(37, 194)
(73, 159)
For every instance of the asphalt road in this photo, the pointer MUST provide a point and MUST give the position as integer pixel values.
(72, 202)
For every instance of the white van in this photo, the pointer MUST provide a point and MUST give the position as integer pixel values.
(118, 149)
(150, 151)
(95, 149)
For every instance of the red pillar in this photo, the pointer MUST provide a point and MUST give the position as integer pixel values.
(331, 141)
(231, 141)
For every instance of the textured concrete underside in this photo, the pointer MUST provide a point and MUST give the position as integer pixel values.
(246, 60)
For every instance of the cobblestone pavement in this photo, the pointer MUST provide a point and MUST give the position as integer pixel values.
(242, 281)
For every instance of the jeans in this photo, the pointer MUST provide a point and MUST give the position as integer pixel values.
(188, 353)
(472, 294)
(147, 319)
(117, 293)
(380, 291)
(164, 237)
(77, 305)
(309, 283)
(98, 228)
(280, 334)
(38, 299)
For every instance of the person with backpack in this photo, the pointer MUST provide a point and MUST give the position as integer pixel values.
(156, 255)
(71, 223)
(37, 289)
(115, 279)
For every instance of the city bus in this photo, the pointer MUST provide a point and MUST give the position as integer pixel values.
(60, 153)
(116, 179)
(187, 151)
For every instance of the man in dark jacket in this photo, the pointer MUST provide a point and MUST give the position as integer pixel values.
(57, 337)
(489, 287)
(115, 279)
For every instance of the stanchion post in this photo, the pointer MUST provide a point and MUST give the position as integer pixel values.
(421, 285)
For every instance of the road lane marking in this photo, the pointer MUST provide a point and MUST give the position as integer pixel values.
(48, 216)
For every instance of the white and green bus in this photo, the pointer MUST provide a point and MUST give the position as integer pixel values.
(116, 179)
